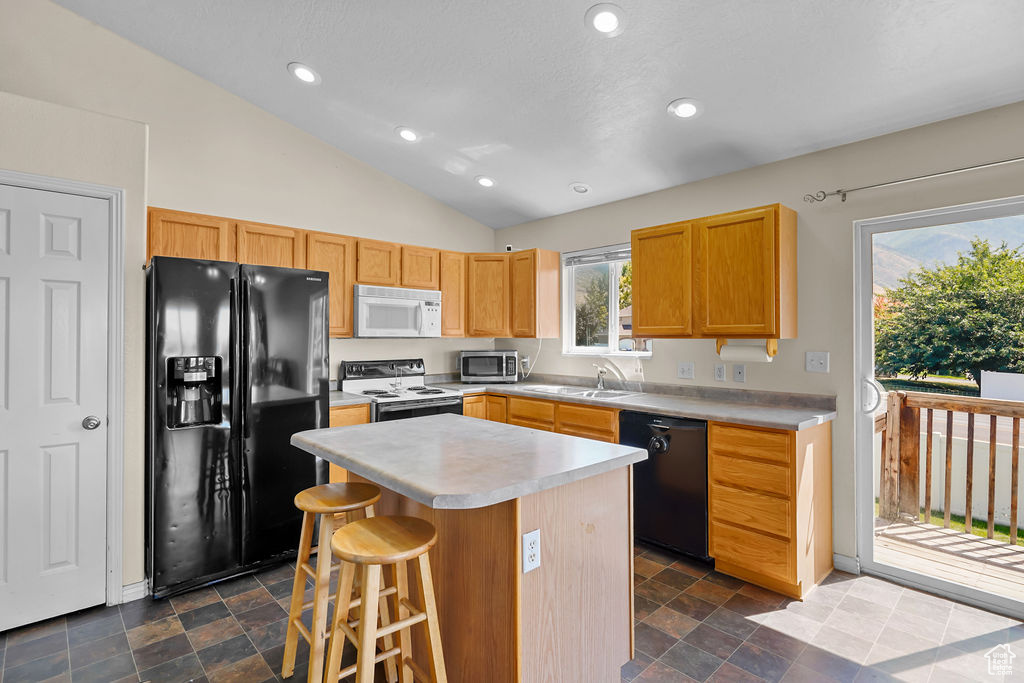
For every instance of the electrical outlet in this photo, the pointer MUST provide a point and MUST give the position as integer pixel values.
(531, 550)
(739, 372)
(719, 372)
(816, 361)
(685, 370)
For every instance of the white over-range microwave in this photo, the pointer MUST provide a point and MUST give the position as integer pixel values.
(397, 312)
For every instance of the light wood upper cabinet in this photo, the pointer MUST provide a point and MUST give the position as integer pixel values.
(662, 259)
(189, 235)
(378, 263)
(335, 254)
(745, 269)
(453, 293)
(534, 281)
(421, 267)
(270, 245)
(731, 275)
(489, 290)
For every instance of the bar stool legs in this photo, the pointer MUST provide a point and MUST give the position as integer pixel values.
(365, 547)
(332, 503)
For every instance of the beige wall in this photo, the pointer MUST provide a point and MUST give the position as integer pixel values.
(60, 142)
(825, 252)
(209, 152)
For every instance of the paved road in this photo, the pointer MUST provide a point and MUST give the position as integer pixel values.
(1004, 427)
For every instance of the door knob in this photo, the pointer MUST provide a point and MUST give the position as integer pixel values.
(91, 422)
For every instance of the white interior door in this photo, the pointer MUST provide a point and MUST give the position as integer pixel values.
(53, 378)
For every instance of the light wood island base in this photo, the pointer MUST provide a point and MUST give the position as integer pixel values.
(570, 619)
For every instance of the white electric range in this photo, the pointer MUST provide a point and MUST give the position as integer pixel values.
(396, 389)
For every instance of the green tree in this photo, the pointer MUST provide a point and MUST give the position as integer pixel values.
(626, 285)
(956, 319)
(592, 307)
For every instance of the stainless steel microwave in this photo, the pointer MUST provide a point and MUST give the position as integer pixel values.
(489, 366)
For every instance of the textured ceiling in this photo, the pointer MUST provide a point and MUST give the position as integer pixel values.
(522, 91)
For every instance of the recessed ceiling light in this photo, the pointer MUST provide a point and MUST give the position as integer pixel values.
(579, 188)
(605, 18)
(407, 134)
(685, 108)
(304, 73)
(484, 181)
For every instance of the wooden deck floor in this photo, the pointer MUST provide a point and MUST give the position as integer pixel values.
(969, 560)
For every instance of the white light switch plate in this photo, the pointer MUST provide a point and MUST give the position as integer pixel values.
(739, 372)
(685, 370)
(531, 550)
(719, 372)
(816, 361)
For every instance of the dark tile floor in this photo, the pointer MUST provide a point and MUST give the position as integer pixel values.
(695, 624)
(691, 624)
(233, 631)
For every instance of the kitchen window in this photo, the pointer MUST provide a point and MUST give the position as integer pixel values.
(597, 304)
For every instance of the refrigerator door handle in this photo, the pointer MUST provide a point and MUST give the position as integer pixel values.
(243, 363)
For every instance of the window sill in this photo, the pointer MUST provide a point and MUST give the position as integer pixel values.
(610, 354)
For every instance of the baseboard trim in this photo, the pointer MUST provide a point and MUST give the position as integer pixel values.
(134, 591)
(845, 563)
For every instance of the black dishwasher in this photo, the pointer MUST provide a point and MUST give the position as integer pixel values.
(670, 488)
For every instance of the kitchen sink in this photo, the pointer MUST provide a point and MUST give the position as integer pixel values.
(581, 392)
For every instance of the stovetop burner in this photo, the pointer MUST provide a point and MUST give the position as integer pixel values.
(386, 394)
(375, 392)
(425, 391)
(419, 388)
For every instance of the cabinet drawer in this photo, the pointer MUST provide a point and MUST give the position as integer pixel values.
(758, 553)
(531, 410)
(587, 421)
(748, 442)
(749, 509)
(750, 474)
(532, 424)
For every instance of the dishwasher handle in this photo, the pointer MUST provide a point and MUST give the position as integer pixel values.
(657, 444)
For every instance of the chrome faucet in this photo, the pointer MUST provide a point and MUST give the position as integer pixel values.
(601, 372)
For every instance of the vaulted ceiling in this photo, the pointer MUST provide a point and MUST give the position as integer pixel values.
(524, 92)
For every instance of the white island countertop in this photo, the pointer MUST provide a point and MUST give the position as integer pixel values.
(456, 462)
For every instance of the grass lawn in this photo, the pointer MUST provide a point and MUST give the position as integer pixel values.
(1000, 532)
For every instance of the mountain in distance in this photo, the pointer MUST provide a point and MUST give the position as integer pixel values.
(895, 254)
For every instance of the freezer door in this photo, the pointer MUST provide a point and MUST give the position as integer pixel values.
(193, 524)
(285, 371)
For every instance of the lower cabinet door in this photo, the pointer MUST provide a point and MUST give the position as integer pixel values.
(497, 408)
(474, 406)
(343, 416)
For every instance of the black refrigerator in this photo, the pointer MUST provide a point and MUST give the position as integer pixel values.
(237, 362)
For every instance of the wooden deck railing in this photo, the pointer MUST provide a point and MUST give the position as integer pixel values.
(900, 425)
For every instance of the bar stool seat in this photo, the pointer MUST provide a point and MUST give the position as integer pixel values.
(332, 499)
(384, 540)
(367, 545)
(329, 503)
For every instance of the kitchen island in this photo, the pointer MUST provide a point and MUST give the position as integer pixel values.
(483, 485)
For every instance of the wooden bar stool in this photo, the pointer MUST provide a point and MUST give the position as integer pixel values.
(326, 502)
(369, 544)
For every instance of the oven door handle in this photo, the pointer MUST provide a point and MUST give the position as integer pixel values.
(406, 405)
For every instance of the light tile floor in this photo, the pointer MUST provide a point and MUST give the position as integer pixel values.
(696, 624)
